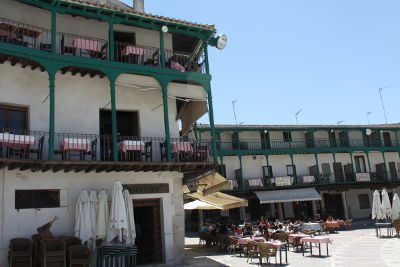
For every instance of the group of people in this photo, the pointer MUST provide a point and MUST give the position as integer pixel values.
(262, 228)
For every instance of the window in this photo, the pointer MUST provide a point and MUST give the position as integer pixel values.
(267, 171)
(363, 199)
(287, 136)
(360, 164)
(14, 118)
(290, 170)
(37, 199)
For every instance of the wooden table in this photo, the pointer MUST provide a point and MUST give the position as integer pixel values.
(388, 226)
(317, 240)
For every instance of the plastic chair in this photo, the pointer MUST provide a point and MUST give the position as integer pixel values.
(20, 252)
(79, 255)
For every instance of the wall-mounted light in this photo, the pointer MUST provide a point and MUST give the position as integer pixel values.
(368, 132)
(164, 29)
(265, 131)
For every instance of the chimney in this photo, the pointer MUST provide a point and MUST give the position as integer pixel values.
(138, 5)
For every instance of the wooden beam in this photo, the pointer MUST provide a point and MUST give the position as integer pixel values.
(90, 168)
(58, 167)
(74, 71)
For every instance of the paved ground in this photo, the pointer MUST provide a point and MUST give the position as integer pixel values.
(359, 248)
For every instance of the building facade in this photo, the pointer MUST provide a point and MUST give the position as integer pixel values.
(343, 163)
(91, 92)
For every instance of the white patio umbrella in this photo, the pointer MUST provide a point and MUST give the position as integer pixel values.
(395, 207)
(118, 220)
(83, 225)
(102, 216)
(93, 204)
(386, 206)
(377, 212)
(130, 235)
(200, 205)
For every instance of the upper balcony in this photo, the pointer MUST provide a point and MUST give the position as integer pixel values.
(37, 38)
(251, 147)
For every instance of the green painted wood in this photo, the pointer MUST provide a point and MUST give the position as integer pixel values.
(352, 162)
(369, 162)
(241, 181)
(162, 49)
(317, 163)
(164, 90)
(114, 119)
(111, 44)
(53, 31)
(52, 78)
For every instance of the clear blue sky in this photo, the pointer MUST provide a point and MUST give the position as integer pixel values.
(327, 57)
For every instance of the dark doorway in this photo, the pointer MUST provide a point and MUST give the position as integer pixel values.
(234, 215)
(380, 171)
(332, 139)
(127, 129)
(148, 230)
(333, 205)
(309, 136)
(393, 171)
(349, 173)
(376, 139)
(302, 210)
(338, 171)
(386, 139)
(344, 139)
(265, 140)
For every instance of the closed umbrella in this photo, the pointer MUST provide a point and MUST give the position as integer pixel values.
(117, 220)
(130, 235)
(396, 207)
(83, 225)
(102, 216)
(386, 206)
(377, 212)
(93, 217)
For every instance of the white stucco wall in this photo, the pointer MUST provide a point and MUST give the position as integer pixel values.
(23, 223)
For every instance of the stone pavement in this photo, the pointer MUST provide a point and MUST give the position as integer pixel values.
(349, 248)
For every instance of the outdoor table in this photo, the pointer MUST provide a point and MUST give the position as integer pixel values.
(332, 225)
(17, 141)
(312, 227)
(283, 181)
(129, 145)
(318, 240)
(86, 44)
(308, 179)
(132, 50)
(245, 240)
(75, 144)
(295, 239)
(177, 66)
(116, 255)
(388, 226)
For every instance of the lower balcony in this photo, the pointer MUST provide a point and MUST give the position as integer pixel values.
(34, 145)
(280, 182)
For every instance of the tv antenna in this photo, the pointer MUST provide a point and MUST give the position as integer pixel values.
(383, 105)
(339, 122)
(368, 113)
(234, 110)
(297, 114)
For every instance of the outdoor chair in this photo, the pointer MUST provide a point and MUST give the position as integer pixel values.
(148, 151)
(39, 149)
(20, 252)
(267, 250)
(348, 224)
(252, 250)
(234, 245)
(154, 60)
(79, 255)
(396, 225)
(93, 150)
(163, 151)
(52, 253)
(70, 241)
(284, 238)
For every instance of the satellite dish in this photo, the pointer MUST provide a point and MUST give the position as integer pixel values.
(368, 132)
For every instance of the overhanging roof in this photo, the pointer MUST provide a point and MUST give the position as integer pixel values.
(290, 195)
(221, 200)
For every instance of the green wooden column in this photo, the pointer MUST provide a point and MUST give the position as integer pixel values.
(334, 157)
(241, 182)
(53, 31)
(352, 166)
(114, 119)
(164, 90)
(294, 167)
(369, 163)
(384, 165)
(162, 50)
(317, 163)
(111, 44)
(210, 104)
(52, 79)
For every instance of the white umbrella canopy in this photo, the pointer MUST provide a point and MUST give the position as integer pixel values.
(93, 204)
(200, 205)
(118, 220)
(102, 216)
(83, 224)
(130, 234)
(377, 212)
(386, 206)
(395, 207)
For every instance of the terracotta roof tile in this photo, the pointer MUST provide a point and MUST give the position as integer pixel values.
(118, 6)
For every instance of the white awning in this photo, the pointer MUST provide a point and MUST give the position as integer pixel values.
(200, 205)
(290, 195)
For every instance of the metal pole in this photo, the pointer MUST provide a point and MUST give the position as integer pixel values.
(383, 105)
(52, 78)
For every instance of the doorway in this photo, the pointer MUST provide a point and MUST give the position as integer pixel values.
(303, 210)
(393, 171)
(148, 230)
(338, 171)
(127, 128)
(333, 205)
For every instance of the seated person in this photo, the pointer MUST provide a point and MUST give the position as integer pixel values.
(248, 229)
(330, 218)
(238, 231)
(317, 218)
(259, 232)
(280, 229)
